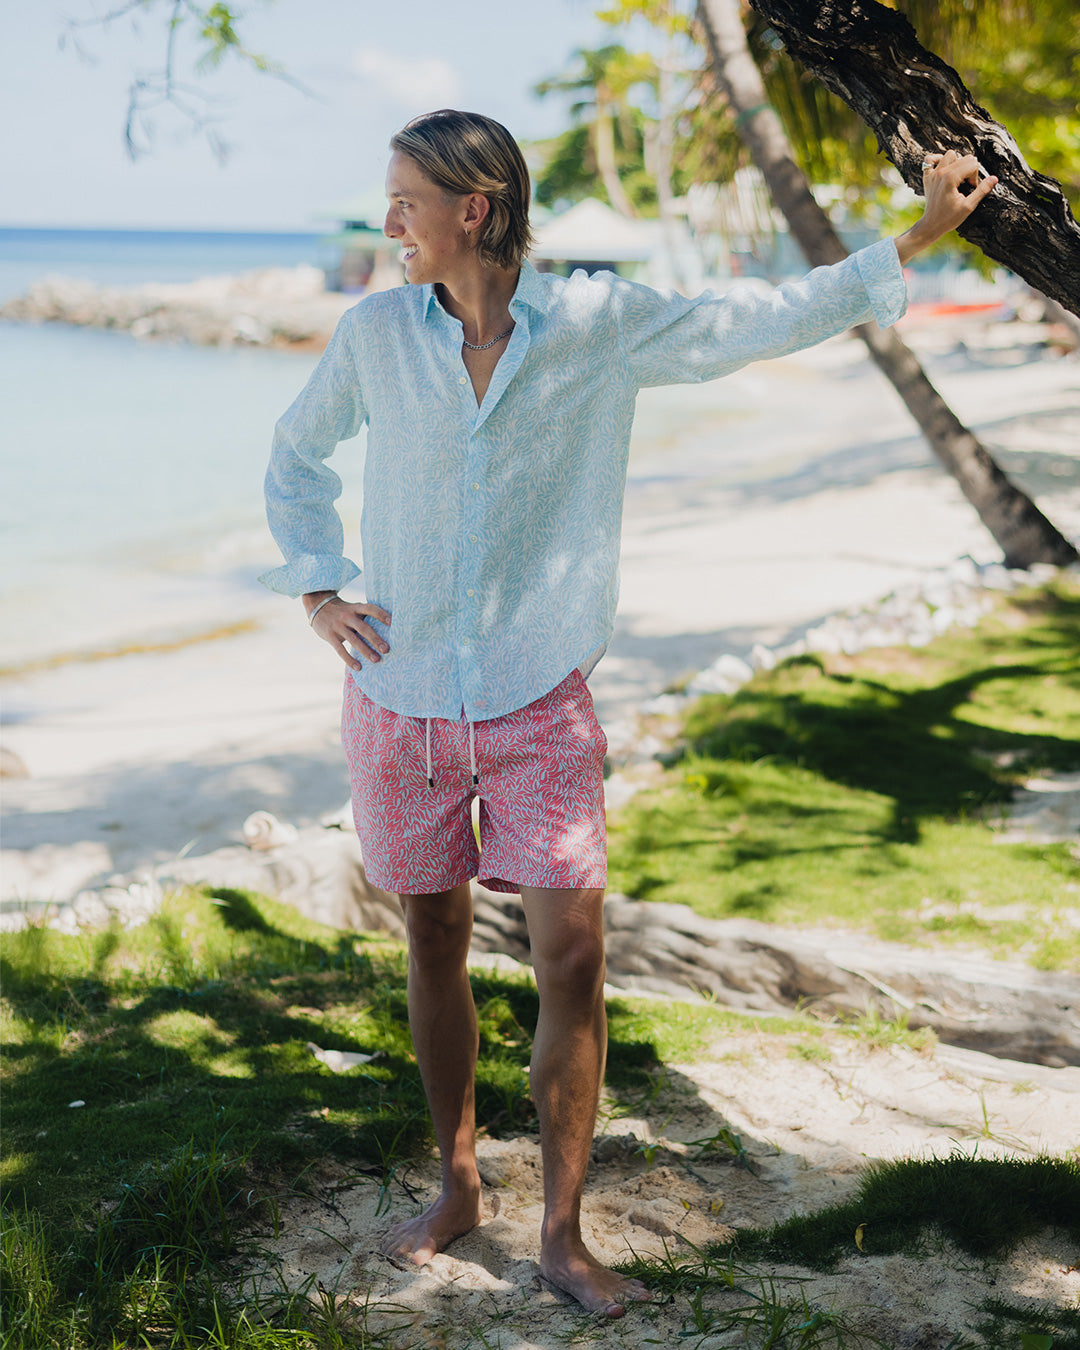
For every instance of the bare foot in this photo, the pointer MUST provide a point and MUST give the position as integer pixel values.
(417, 1240)
(578, 1273)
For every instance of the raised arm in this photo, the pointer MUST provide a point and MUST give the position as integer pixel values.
(669, 339)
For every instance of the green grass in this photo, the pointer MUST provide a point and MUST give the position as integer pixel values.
(987, 1207)
(126, 1220)
(860, 790)
(132, 1220)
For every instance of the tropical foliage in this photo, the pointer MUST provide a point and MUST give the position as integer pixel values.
(1020, 58)
(602, 152)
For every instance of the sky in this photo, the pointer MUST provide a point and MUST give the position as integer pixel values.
(293, 156)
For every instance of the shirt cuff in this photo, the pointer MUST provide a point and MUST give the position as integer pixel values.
(881, 274)
(310, 572)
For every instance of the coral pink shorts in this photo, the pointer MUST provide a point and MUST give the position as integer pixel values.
(539, 778)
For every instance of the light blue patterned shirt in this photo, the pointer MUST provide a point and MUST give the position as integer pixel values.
(491, 534)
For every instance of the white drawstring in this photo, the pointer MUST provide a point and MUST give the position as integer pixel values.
(472, 753)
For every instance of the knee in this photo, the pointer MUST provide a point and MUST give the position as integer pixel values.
(438, 931)
(575, 971)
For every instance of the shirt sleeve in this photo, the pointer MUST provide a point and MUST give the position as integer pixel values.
(670, 339)
(300, 487)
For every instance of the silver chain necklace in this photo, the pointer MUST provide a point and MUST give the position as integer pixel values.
(483, 346)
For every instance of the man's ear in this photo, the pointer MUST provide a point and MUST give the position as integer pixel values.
(477, 210)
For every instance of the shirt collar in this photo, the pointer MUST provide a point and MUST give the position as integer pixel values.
(530, 291)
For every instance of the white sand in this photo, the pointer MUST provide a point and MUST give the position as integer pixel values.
(809, 1128)
(823, 498)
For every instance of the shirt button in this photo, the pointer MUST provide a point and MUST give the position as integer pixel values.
(472, 538)
(476, 487)
(470, 593)
(462, 379)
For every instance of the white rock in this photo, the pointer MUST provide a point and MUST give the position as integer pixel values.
(965, 569)
(663, 705)
(997, 577)
(51, 871)
(762, 657)
(249, 329)
(618, 789)
(726, 674)
(90, 910)
(648, 747)
(261, 830)
(824, 638)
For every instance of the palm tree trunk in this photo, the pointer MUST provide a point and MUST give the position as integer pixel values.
(1016, 523)
(604, 148)
(664, 149)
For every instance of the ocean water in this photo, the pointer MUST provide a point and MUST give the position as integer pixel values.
(127, 257)
(131, 473)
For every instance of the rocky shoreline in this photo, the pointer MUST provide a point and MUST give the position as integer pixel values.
(269, 307)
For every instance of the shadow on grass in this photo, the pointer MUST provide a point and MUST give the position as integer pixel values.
(923, 747)
(161, 1092)
(912, 747)
(183, 1044)
(187, 1041)
(833, 777)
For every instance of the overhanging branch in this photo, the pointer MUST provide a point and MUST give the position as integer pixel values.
(870, 57)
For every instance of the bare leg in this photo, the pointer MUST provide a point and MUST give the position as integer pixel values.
(442, 1019)
(566, 932)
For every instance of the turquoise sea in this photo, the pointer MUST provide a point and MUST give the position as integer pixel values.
(130, 473)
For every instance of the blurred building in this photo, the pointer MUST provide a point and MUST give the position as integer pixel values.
(595, 238)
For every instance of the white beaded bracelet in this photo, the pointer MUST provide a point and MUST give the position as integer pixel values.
(311, 616)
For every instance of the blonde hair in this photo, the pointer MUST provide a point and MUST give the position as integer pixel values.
(465, 152)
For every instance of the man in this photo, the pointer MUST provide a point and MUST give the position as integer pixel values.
(499, 404)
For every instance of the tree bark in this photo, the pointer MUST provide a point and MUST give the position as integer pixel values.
(914, 103)
(1016, 523)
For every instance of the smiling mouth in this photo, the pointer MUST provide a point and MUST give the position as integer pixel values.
(409, 253)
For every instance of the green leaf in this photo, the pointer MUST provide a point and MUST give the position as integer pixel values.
(1035, 1340)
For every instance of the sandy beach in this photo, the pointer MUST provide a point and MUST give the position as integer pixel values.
(808, 1130)
(826, 498)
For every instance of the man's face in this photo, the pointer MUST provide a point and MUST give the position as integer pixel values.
(427, 222)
